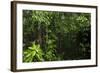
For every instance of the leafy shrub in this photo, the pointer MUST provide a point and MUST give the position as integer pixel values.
(33, 53)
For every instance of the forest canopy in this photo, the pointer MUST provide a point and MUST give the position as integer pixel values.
(56, 36)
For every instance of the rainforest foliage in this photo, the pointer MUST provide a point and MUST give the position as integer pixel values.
(55, 36)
